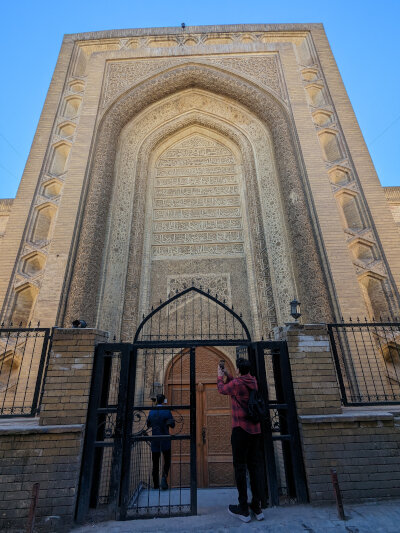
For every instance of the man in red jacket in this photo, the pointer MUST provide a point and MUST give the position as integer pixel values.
(246, 439)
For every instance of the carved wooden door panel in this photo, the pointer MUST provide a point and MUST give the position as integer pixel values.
(180, 449)
(215, 438)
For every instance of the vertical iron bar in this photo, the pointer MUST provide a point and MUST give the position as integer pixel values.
(127, 437)
(176, 318)
(337, 365)
(217, 327)
(98, 452)
(369, 364)
(398, 353)
(90, 437)
(280, 384)
(119, 430)
(360, 395)
(184, 315)
(256, 355)
(193, 299)
(295, 443)
(350, 373)
(193, 454)
(5, 349)
(9, 374)
(27, 382)
(201, 316)
(378, 363)
(40, 376)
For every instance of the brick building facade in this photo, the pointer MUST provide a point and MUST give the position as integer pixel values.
(224, 157)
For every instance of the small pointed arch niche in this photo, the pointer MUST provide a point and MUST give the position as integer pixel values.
(23, 304)
(373, 290)
(43, 224)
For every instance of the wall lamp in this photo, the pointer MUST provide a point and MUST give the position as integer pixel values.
(295, 309)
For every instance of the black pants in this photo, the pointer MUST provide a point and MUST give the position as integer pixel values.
(247, 452)
(156, 465)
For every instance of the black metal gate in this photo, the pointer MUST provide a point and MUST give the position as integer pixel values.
(118, 477)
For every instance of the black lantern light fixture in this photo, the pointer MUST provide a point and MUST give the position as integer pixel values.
(295, 309)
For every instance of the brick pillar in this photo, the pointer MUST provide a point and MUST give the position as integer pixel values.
(67, 387)
(313, 371)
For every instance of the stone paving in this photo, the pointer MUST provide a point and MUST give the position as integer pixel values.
(371, 517)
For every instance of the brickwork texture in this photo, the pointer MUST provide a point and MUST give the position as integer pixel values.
(49, 450)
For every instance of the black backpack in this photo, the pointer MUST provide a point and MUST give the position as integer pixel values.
(256, 410)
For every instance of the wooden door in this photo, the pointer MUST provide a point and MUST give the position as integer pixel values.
(213, 421)
(216, 469)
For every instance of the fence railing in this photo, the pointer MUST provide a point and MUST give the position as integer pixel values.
(367, 359)
(23, 363)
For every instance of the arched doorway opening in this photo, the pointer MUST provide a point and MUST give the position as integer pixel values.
(213, 416)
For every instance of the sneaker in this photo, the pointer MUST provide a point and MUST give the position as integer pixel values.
(257, 511)
(164, 484)
(242, 514)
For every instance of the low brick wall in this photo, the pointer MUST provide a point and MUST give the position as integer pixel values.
(49, 455)
(48, 449)
(362, 444)
(364, 448)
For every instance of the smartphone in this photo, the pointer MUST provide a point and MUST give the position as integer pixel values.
(222, 364)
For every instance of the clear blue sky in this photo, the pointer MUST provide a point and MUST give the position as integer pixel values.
(363, 36)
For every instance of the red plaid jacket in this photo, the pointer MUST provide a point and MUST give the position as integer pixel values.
(237, 389)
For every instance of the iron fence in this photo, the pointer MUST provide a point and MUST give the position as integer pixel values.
(23, 363)
(367, 359)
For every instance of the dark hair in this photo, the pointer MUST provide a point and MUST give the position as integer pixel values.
(243, 365)
(160, 398)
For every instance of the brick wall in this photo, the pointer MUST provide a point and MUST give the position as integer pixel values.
(363, 446)
(313, 371)
(48, 450)
(48, 455)
(66, 395)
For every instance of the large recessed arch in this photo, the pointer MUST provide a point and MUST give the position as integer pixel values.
(87, 272)
(194, 114)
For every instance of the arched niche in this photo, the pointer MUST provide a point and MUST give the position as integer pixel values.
(350, 211)
(23, 303)
(316, 95)
(330, 145)
(375, 298)
(339, 175)
(43, 223)
(33, 263)
(322, 118)
(67, 129)
(77, 86)
(59, 158)
(52, 188)
(71, 107)
(84, 294)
